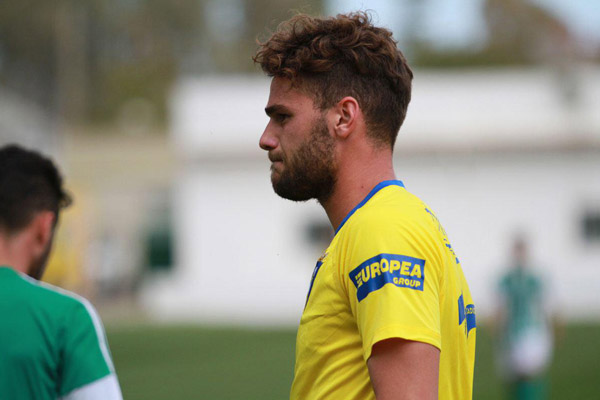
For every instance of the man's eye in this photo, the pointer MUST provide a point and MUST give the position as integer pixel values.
(281, 117)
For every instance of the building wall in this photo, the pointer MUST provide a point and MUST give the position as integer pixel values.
(485, 199)
(241, 253)
(526, 162)
(245, 255)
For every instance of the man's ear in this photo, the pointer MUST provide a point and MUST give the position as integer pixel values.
(42, 229)
(346, 115)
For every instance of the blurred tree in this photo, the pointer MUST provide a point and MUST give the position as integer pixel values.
(27, 62)
(523, 32)
(233, 26)
(518, 33)
(95, 60)
(103, 61)
(135, 49)
(86, 60)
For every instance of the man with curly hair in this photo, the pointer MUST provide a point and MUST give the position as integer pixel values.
(389, 314)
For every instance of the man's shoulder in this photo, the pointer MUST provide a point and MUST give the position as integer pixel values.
(57, 299)
(392, 208)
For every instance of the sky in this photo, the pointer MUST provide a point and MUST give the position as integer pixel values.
(459, 23)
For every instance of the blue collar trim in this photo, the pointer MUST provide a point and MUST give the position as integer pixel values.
(372, 193)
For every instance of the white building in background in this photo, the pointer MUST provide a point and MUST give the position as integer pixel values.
(492, 152)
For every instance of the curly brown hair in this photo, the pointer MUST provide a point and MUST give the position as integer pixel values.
(346, 55)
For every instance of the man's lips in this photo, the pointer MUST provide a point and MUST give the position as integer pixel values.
(276, 163)
(274, 159)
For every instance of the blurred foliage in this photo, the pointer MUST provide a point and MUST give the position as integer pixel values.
(104, 61)
(26, 47)
(86, 61)
(518, 33)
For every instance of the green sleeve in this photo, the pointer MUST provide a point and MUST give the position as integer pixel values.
(85, 357)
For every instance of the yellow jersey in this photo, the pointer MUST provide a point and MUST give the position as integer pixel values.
(389, 272)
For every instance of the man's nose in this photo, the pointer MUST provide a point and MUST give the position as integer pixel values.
(267, 141)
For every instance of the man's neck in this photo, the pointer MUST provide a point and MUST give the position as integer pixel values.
(356, 178)
(10, 256)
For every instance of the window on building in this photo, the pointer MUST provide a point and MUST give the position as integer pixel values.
(590, 224)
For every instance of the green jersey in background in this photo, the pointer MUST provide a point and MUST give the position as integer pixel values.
(52, 344)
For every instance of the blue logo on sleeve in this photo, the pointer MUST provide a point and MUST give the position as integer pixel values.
(466, 313)
(401, 271)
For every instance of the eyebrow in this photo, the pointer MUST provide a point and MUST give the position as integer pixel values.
(275, 108)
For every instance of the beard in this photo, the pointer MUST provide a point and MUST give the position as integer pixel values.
(309, 173)
(38, 266)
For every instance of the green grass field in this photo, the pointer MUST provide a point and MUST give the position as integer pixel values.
(192, 362)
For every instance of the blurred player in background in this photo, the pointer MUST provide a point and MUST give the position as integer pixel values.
(388, 314)
(524, 327)
(52, 343)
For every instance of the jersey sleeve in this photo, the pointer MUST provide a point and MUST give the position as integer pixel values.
(101, 389)
(391, 274)
(86, 365)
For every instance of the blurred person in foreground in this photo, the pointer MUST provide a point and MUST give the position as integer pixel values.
(524, 326)
(52, 343)
(388, 314)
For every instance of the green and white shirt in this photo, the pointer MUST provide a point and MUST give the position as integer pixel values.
(52, 344)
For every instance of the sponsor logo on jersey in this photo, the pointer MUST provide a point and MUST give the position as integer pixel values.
(401, 271)
(466, 314)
